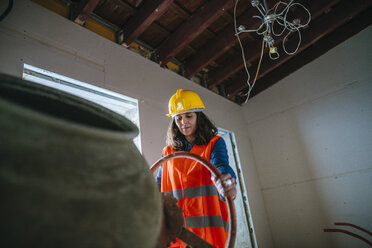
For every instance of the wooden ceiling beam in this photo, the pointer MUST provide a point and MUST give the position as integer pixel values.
(253, 50)
(143, 18)
(321, 27)
(189, 30)
(79, 12)
(219, 45)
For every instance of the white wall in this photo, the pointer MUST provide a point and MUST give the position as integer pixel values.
(36, 36)
(311, 136)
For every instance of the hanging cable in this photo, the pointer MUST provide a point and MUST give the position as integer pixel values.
(7, 10)
(269, 17)
(240, 43)
(255, 77)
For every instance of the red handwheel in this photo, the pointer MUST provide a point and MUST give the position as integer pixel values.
(215, 172)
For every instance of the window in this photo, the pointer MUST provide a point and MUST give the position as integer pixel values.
(118, 103)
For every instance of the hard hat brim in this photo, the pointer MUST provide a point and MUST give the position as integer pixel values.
(186, 111)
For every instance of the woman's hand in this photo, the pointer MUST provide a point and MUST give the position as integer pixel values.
(225, 185)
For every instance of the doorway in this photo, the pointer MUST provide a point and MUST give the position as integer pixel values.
(245, 233)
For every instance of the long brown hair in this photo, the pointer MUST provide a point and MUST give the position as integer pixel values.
(205, 130)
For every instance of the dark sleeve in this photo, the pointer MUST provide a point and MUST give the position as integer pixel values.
(158, 176)
(220, 159)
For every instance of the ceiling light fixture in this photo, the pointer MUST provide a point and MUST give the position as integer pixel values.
(272, 19)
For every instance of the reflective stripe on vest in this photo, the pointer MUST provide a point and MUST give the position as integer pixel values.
(195, 192)
(207, 221)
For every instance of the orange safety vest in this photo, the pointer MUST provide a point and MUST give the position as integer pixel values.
(205, 211)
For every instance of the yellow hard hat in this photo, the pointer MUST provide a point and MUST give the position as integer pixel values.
(184, 101)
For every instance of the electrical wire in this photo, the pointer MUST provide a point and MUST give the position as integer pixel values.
(255, 78)
(250, 86)
(7, 10)
(240, 43)
(269, 17)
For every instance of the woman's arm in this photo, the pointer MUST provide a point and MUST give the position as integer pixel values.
(220, 159)
(158, 176)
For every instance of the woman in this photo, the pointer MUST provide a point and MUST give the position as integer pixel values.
(204, 210)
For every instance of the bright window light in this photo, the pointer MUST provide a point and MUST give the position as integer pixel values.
(118, 103)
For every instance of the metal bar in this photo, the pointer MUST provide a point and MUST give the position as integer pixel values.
(350, 234)
(355, 226)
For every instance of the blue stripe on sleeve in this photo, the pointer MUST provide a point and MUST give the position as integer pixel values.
(220, 159)
(158, 176)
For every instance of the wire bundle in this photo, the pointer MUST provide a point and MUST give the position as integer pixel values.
(270, 18)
